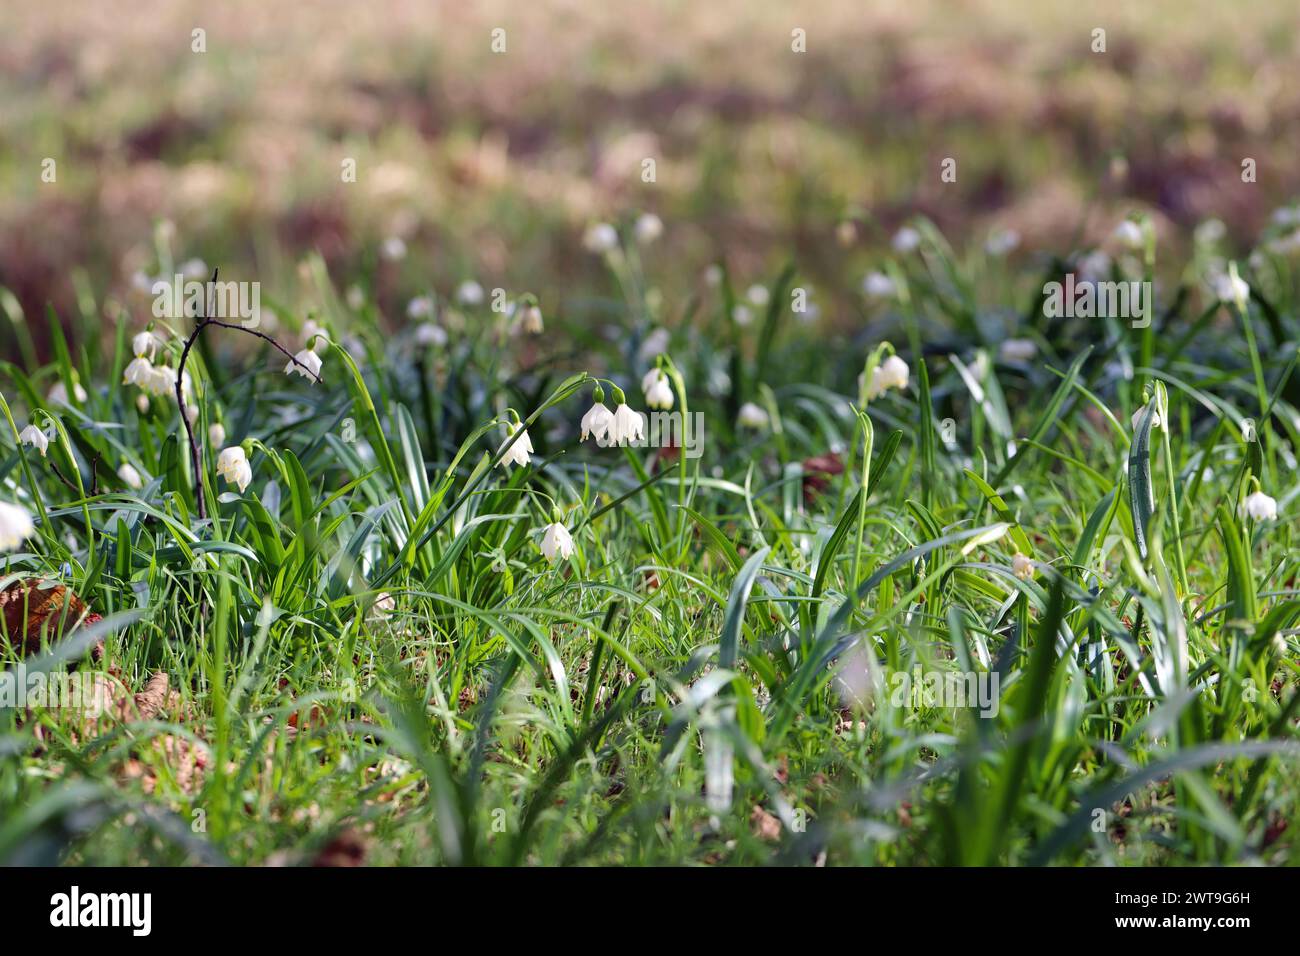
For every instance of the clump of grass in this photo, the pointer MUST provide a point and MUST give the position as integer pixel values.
(381, 638)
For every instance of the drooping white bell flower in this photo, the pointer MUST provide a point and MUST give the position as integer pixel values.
(16, 526)
(655, 344)
(1022, 566)
(759, 295)
(307, 358)
(752, 416)
(530, 320)
(1017, 350)
(649, 227)
(517, 453)
(421, 307)
(393, 248)
(139, 371)
(1260, 507)
(145, 343)
(877, 285)
(469, 293)
(658, 390)
(557, 542)
(1155, 419)
(1129, 234)
(906, 240)
(31, 435)
(1001, 241)
(429, 333)
(232, 465)
(597, 422)
(58, 393)
(216, 434)
(1231, 288)
(742, 315)
(627, 426)
(130, 477)
(600, 238)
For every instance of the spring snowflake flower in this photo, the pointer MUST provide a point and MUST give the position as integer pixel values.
(1260, 507)
(1022, 566)
(145, 343)
(877, 285)
(742, 315)
(627, 426)
(142, 403)
(530, 320)
(752, 416)
(600, 238)
(1230, 289)
(15, 526)
(597, 422)
(1156, 421)
(429, 333)
(1129, 234)
(305, 357)
(194, 269)
(516, 454)
(58, 393)
(421, 307)
(31, 435)
(713, 276)
(892, 373)
(356, 297)
(469, 293)
(759, 295)
(906, 240)
(556, 541)
(139, 371)
(658, 390)
(232, 465)
(649, 227)
(130, 477)
(393, 249)
(216, 434)
(1001, 242)
(1017, 350)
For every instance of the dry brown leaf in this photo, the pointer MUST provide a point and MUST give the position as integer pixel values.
(765, 825)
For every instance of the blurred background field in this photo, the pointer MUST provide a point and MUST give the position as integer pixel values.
(489, 165)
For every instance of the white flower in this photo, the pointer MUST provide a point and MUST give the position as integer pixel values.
(58, 393)
(1155, 419)
(1022, 566)
(906, 239)
(421, 307)
(846, 233)
(626, 426)
(1017, 350)
(191, 412)
(356, 297)
(530, 320)
(313, 335)
(1094, 266)
(130, 477)
(656, 343)
(31, 435)
(658, 390)
(142, 403)
(216, 434)
(469, 292)
(713, 276)
(1210, 231)
(1230, 289)
(877, 285)
(15, 526)
(596, 423)
(139, 371)
(393, 248)
(427, 333)
(232, 465)
(742, 315)
(600, 238)
(305, 357)
(1001, 241)
(758, 294)
(556, 541)
(752, 416)
(1129, 234)
(1260, 507)
(144, 342)
(194, 269)
(649, 227)
(893, 374)
(518, 453)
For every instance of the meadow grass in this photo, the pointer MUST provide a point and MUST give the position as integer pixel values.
(366, 646)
